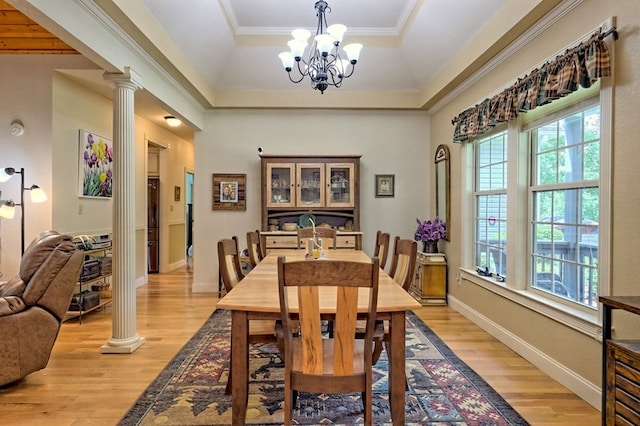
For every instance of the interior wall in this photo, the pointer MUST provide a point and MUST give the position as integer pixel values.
(76, 107)
(390, 142)
(25, 84)
(580, 355)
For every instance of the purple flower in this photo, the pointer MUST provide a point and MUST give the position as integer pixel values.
(430, 230)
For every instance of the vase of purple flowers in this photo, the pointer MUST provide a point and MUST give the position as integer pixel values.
(430, 232)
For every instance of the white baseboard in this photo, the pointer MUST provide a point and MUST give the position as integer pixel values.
(175, 265)
(565, 376)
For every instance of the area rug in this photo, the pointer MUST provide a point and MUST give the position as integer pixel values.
(442, 390)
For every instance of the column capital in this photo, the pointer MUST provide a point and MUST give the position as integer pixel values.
(123, 79)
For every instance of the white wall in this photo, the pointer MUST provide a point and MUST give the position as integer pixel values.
(25, 84)
(390, 142)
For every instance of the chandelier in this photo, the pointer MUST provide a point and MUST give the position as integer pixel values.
(324, 64)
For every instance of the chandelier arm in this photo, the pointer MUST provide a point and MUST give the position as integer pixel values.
(353, 67)
(295, 81)
(333, 79)
(302, 72)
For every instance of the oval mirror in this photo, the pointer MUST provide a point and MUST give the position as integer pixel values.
(442, 187)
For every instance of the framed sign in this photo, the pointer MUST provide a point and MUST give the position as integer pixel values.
(385, 186)
(95, 171)
(229, 191)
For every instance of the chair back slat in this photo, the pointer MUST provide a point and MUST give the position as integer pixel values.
(229, 262)
(253, 247)
(404, 262)
(345, 325)
(310, 330)
(381, 250)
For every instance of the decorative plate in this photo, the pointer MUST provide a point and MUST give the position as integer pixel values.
(305, 220)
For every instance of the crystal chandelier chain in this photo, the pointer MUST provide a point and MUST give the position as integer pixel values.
(324, 63)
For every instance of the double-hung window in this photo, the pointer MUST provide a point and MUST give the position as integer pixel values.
(538, 191)
(565, 204)
(491, 203)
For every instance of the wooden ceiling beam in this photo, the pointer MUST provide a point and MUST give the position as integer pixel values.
(21, 35)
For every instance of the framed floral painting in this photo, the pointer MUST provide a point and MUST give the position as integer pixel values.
(95, 172)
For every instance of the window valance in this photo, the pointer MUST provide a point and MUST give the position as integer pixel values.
(581, 65)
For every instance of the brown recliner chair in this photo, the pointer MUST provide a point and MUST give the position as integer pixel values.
(33, 304)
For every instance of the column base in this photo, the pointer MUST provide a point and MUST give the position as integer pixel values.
(122, 346)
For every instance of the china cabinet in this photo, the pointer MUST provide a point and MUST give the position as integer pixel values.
(324, 188)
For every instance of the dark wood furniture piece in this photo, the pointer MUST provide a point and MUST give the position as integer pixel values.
(621, 367)
(244, 304)
(343, 362)
(326, 187)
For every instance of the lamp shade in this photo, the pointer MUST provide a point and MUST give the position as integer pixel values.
(287, 60)
(6, 173)
(301, 34)
(353, 51)
(324, 43)
(172, 121)
(337, 31)
(7, 210)
(37, 194)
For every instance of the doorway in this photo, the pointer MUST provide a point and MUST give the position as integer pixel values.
(153, 225)
(189, 213)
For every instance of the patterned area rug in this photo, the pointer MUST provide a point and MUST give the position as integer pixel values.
(190, 390)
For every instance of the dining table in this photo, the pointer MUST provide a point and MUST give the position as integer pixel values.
(256, 297)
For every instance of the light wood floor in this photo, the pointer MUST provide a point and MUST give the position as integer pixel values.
(80, 386)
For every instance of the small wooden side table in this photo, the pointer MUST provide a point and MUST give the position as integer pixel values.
(429, 285)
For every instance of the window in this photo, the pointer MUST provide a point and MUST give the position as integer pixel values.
(491, 203)
(538, 189)
(565, 200)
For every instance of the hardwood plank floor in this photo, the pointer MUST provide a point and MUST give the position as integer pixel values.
(81, 386)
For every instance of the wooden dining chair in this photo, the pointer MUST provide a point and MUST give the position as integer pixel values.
(342, 364)
(403, 262)
(381, 250)
(327, 234)
(260, 331)
(403, 265)
(253, 247)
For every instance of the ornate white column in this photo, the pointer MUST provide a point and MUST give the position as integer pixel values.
(124, 337)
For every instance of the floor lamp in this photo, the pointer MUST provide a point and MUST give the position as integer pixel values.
(7, 209)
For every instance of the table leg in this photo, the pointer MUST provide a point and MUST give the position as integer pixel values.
(239, 365)
(397, 375)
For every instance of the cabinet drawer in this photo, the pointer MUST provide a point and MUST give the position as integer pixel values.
(346, 241)
(284, 241)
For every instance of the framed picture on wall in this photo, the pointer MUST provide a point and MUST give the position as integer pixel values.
(95, 169)
(385, 185)
(229, 191)
(176, 193)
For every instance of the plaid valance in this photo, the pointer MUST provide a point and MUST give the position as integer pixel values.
(579, 66)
